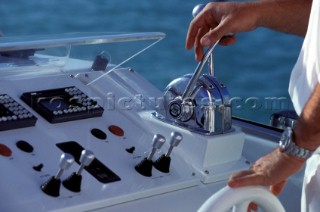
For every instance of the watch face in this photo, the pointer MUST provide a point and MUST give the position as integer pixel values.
(287, 145)
(284, 141)
(283, 144)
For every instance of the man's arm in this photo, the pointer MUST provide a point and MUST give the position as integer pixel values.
(289, 16)
(307, 130)
(219, 19)
(276, 167)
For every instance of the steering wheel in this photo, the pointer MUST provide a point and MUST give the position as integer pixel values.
(239, 199)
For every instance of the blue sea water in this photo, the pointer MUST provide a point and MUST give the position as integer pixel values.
(256, 68)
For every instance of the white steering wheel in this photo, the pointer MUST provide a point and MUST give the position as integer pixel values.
(239, 199)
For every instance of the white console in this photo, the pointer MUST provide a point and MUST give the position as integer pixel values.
(110, 114)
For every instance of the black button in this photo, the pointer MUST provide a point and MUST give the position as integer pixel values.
(24, 146)
(99, 134)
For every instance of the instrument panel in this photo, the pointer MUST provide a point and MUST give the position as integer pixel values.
(77, 135)
(30, 153)
(79, 149)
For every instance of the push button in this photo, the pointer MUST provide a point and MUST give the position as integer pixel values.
(5, 151)
(116, 130)
(24, 146)
(99, 134)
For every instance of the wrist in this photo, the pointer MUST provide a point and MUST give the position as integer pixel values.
(292, 158)
(303, 139)
(288, 146)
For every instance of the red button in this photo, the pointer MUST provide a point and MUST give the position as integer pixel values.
(116, 130)
(5, 151)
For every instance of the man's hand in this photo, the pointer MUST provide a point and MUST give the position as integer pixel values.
(217, 20)
(273, 169)
(220, 19)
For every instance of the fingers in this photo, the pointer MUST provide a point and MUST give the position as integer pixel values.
(207, 35)
(252, 207)
(277, 188)
(209, 39)
(202, 22)
(198, 48)
(241, 174)
(204, 30)
(246, 178)
(218, 32)
(195, 26)
(228, 40)
(191, 35)
(250, 177)
(193, 38)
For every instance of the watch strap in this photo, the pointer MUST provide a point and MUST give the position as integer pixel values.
(291, 148)
(298, 151)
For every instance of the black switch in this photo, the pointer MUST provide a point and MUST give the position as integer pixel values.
(131, 149)
(38, 167)
(24, 146)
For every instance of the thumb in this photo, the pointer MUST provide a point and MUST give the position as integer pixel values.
(210, 38)
(215, 34)
(277, 188)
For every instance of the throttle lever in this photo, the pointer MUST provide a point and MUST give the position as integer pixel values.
(182, 106)
(187, 92)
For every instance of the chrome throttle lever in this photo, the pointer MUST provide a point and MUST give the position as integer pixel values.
(187, 92)
(182, 106)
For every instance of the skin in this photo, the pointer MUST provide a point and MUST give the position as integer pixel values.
(216, 22)
(276, 167)
(219, 19)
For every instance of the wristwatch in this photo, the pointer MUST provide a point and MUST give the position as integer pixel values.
(288, 146)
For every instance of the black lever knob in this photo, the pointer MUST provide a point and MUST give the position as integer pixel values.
(73, 182)
(52, 186)
(163, 162)
(145, 166)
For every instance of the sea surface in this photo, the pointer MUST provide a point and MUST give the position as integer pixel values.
(256, 69)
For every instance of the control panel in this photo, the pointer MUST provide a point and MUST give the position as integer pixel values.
(92, 136)
(66, 145)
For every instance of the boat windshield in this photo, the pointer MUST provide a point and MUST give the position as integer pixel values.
(36, 55)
